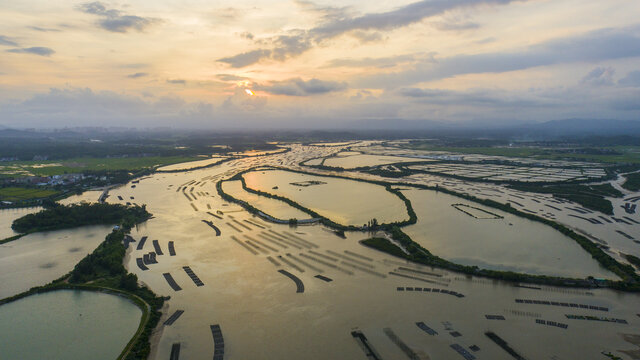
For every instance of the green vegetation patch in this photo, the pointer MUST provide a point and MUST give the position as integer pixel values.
(80, 165)
(633, 182)
(20, 193)
(58, 216)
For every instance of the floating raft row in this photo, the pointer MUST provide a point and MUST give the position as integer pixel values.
(173, 317)
(462, 351)
(214, 215)
(494, 317)
(126, 240)
(366, 346)
(212, 226)
(171, 282)
(149, 258)
(175, 352)
(595, 318)
(551, 323)
(434, 290)
(141, 264)
(323, 278)
(426, 329)
(299, 283)
(156, 246)
(218, 342)
(193, 276)
(142, 242)
(172, 249)
(554, 303)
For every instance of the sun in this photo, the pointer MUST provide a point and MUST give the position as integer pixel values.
(249, 92)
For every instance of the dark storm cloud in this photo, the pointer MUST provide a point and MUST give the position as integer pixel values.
(114, 20)
(366, 27)
(4, 40)
(137, 75)
(36, 50)
(594, 46)
(299, 87)
(632, 79)
(245, 59)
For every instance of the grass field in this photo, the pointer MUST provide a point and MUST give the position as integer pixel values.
(78, 165)
(18, 193)
(627, 154)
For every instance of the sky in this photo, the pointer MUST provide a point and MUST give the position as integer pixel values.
(316, 64)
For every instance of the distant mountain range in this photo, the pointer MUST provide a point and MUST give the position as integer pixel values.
(401, 128)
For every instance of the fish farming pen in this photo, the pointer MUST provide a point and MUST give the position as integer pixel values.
(269, 240)
(233, 227)
(273, 261)
(241, 224)
(296, 280)
(426, 328)
(172, 249)
(175, 352)
(255, 246)
(218, 232)
(194, 207)
(625, 234)
(141, 264)
(149, 258)
(214, 215)
(259, 243)
(120, 198)
(304, 263)
(143, 240)
(323, 278)
(555, 303)
(350, 259)
(173, 317)
(494, 317)
(218, 342)
(174, 285)
(357, 255)
(333, 266)
(504, 345)
(433, 290)
(289, 263)
(323, 256)
(126, 240)
(156, 246)
(596, 318)
(394, 273)
(551, 323)
(244, 245)
(289, 240)
(462, 351)
(399, 343)
(196, 280)
(368, 349)
(275, 239)
(419, 272)
(254, 224)
(364, 269)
